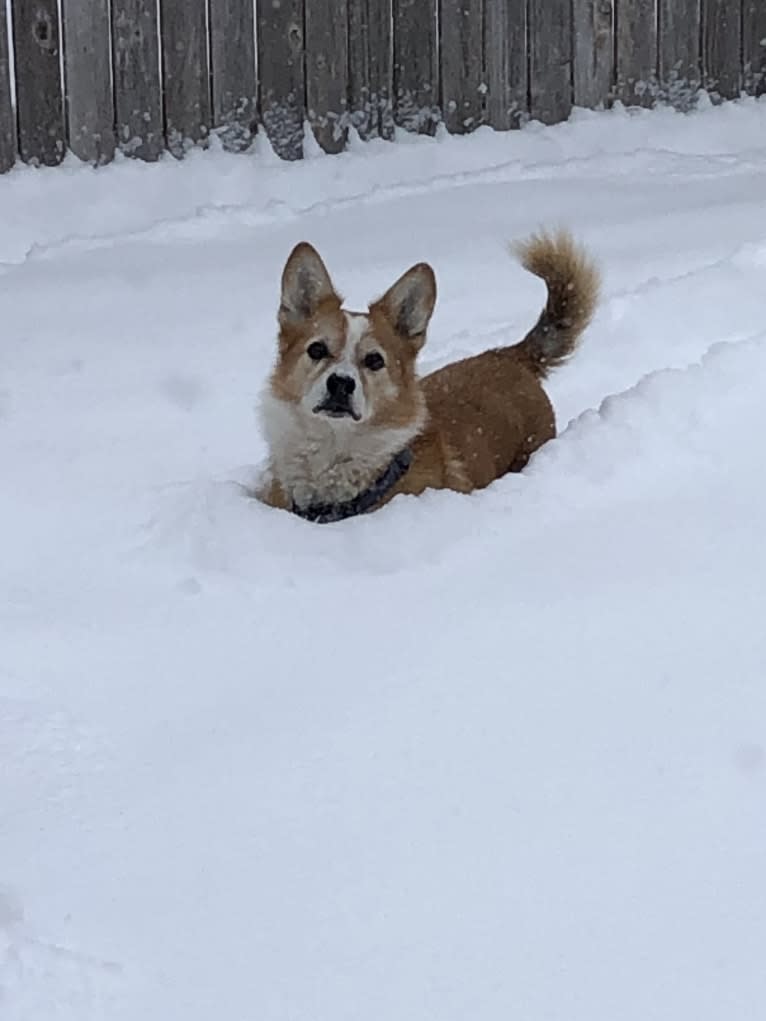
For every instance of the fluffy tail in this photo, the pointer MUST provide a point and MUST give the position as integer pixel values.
(573, 280)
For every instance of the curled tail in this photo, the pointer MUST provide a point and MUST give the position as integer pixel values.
(572, 279)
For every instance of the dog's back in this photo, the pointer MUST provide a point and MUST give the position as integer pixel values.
(491, 411)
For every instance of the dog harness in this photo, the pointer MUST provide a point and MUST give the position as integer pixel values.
(326, 513)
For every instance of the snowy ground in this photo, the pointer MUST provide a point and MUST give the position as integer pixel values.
(468, 759)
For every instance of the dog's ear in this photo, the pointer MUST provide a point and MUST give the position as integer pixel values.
(409, 304)
(305, 284)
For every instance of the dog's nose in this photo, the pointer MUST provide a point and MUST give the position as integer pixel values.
(340, 387)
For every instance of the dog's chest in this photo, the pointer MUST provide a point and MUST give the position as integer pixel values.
(321, 470)
(317, 462)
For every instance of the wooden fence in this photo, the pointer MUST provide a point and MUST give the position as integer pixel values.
(148, 75)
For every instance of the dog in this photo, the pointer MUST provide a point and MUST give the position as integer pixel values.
(348, 422)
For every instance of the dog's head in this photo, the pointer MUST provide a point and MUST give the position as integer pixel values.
(351, 369)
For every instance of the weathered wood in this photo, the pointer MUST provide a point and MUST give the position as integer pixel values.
(679, 52)
(550, 60)
(88, 80)
(232, 58)
(280, 72)
(462, 74)
(39, 96)
(370, 67)
(593, 74)
(754, 46)
(327, 72)
(7, 120)
(721, 53)
(137, 86)
(416, 71)
(185, 73)
(505, 62)
(636, 52)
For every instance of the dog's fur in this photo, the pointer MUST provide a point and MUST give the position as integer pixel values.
(465, 424)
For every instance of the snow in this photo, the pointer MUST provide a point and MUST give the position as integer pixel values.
(496, 756)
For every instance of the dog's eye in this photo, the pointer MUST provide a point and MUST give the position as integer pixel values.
(317, 351)
(374, 361)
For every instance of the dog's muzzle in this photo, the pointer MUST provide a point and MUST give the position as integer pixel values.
(338, 402)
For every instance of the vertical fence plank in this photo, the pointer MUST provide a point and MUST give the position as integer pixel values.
(381, 43)
(87, 80)
(721, 55)
(462, 72)
(593, 76)
(550, 60)
(281, 74)
(754, 46)
(232, 60)
(370, 67)
(505, 62)
(185, 73)
(137, 87)
(7, 122)
(39, 97)
(416, 68)
(636, 52)
(327, 71)
(679, 51)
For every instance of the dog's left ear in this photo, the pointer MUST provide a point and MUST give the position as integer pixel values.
(409, 304)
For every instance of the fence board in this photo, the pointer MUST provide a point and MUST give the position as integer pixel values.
(593, 74)
(39, 98)
(550, 60)
(327, 71)
(679, 51)
(88, 80)
(721, 38)
(281, 76)
(754, 46)
(137, 87)
(505, 62)
(462, 73)
(185, 73)
(416, 67)
(636, 52)
(7, 121)
(232, 60)
(370, 67)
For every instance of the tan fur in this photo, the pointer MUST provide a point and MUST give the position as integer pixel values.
(466, 424)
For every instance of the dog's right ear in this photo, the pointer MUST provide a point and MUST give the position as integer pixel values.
(305, 285)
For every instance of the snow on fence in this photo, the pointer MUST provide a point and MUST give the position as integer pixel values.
(148, 75)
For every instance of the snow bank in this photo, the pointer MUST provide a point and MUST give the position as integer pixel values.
(498, 756)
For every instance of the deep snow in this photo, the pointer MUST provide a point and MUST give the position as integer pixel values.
(490, 757)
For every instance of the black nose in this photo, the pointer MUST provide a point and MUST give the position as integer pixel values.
(340, 387)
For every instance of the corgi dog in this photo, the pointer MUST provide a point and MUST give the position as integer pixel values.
(348, 422)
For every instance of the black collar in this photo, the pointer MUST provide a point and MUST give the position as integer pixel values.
(325, 513)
